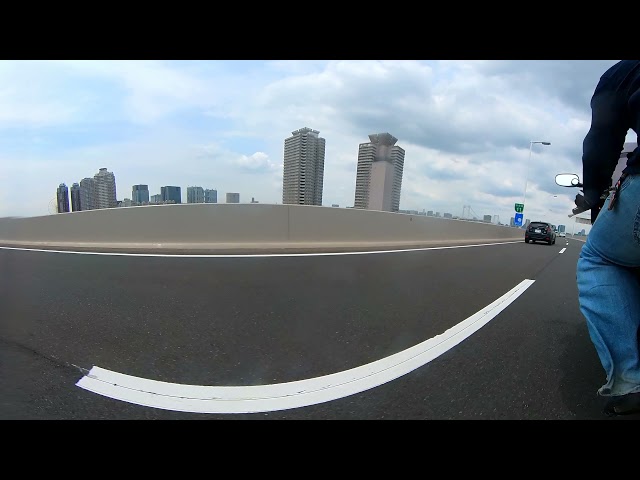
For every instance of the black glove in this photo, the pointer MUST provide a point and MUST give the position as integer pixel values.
(581, 204)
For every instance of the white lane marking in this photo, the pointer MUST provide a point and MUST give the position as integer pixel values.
(283, 396)
(562, 251)
(242, 255)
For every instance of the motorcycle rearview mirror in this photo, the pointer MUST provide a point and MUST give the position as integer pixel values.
(568, 180)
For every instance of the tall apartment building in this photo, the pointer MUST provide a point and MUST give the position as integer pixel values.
(88, 193)
(76, 203)
(62, 197)
(233, 198)
(379, 173)
(140, 194)
(381, 186)
(303, 171)
(171, 194)
(105, 189)
(195, 195)
(210, 196)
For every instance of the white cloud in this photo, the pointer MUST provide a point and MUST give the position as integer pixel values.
(259, 161)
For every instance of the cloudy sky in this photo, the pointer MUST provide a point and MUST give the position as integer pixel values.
(466, 127)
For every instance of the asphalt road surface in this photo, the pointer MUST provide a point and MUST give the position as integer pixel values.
(395, 335)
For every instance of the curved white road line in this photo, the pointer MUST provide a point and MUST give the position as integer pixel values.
(283, 396)
(247, 255)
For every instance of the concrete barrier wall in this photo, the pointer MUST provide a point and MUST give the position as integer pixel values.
(241, 224)
(191, 223)
(352, 225)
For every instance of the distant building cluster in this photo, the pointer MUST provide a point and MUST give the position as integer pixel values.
(90, 193)
(100, 192)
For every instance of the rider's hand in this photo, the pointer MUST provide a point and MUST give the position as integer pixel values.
(582, 203)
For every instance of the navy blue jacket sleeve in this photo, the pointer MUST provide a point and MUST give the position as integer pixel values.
(605, 140)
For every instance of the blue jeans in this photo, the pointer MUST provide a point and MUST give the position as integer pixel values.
(608, 281)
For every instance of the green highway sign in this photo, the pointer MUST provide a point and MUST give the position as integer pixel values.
(519, 207)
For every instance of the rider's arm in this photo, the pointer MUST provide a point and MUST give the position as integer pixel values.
(605, 140)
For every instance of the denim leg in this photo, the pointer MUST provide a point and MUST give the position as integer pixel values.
(609, 289)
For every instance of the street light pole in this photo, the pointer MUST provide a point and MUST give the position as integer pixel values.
(526, 180)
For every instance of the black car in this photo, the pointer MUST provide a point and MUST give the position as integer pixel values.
(541, 232)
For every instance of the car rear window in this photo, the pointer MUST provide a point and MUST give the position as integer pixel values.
(538, 225)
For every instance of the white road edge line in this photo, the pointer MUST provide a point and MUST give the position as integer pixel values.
(283, 396)
(562, 251)
(249, 255)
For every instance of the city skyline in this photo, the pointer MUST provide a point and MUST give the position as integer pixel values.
(140, 194)
(380, 149)
(197, 194)
(466, 127)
